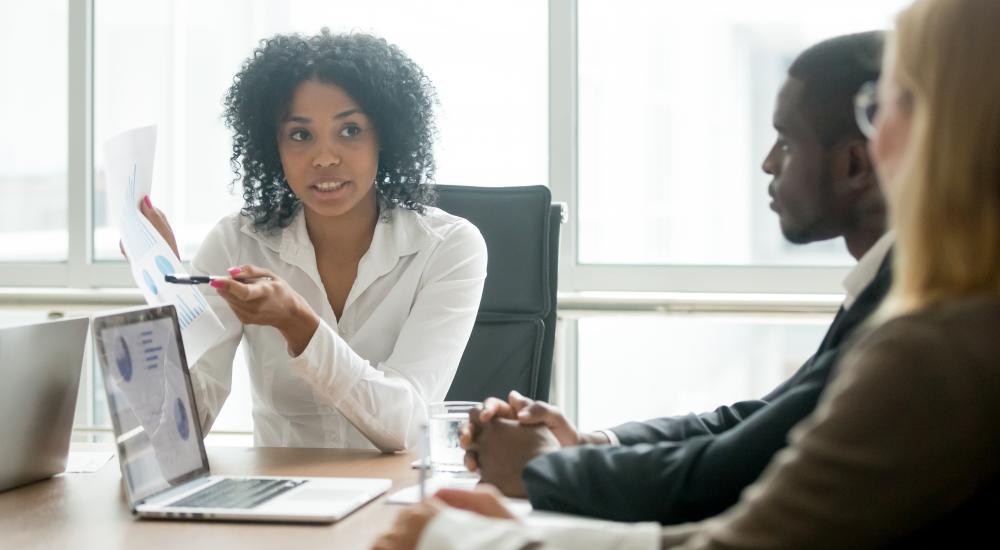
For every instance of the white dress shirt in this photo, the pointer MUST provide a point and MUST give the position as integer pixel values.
(364, 380)
(858, 279)
(453, 529)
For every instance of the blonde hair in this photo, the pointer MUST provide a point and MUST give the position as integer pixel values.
(945, 204)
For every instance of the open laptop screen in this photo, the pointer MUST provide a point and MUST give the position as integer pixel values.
(150, 400)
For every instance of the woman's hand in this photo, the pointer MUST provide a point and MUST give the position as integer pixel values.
(160, 223)
(405, 533)
(484, 500)
(412, 521)
(258, 297)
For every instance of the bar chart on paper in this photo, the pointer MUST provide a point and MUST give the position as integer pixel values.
(186, 314)
(189, 301)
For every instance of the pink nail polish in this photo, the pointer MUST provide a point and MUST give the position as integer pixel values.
(217, 283)
(149, 203)
(234, 271)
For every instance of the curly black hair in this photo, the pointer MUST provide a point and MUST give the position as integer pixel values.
(391, 89)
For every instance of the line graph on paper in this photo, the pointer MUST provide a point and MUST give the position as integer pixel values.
(137, 236)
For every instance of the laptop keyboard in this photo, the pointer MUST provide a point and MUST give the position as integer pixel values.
(237, 493)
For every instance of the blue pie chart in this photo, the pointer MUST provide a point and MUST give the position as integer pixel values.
(123, 359)
(181, 418)
(164, 265)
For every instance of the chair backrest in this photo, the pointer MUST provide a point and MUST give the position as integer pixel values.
(513, 340)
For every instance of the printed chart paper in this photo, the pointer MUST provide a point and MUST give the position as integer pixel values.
(129, 177)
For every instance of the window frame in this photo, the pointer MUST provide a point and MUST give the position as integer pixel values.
(81, 270)
(585, 289)
(575, 276)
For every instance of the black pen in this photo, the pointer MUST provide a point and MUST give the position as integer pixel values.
(207, 279)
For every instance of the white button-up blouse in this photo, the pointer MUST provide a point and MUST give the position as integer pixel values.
(364, 380)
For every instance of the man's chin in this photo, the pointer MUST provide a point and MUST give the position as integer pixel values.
(796, 235)
(815, 234)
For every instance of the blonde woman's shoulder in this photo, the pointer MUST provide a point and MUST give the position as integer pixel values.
(953, 342)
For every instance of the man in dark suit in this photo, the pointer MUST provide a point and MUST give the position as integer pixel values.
(690, 467)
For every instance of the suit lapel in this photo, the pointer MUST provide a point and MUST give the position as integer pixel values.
(842, 328)
(866, 304)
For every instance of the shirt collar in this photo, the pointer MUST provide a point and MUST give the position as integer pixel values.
(400, 234)
(864, 273)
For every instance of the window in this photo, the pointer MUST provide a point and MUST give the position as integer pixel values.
(675, 103)
(648, 118)
(170, 63)
(33, 145)
(645, 366)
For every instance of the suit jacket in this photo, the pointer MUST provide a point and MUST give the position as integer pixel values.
(690, 467)
(901, 451)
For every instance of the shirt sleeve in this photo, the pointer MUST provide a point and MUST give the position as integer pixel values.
(387, 402)
(212, 374)
(458, 529)
(894, 444)
(612, 438)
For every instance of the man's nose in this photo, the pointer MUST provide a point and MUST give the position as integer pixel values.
(769, 165)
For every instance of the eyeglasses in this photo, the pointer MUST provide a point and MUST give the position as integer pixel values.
(865, 108)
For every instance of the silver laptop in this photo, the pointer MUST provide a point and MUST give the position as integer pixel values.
(159, 437)
(40, 368)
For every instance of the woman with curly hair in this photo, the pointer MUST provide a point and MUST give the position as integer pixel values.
(355, 296)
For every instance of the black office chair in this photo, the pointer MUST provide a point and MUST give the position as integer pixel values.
(512, 342)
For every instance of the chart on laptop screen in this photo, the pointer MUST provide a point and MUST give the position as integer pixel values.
(148, 395)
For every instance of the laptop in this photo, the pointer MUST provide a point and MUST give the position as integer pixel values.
(159, 437)
(40, 368)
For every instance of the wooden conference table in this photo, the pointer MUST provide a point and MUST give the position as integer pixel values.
(89, 510)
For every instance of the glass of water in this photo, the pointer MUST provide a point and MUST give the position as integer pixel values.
(445, 422)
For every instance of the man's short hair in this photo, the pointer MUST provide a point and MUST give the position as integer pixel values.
(832, 71)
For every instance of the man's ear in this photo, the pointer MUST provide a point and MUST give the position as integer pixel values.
(860, 171)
